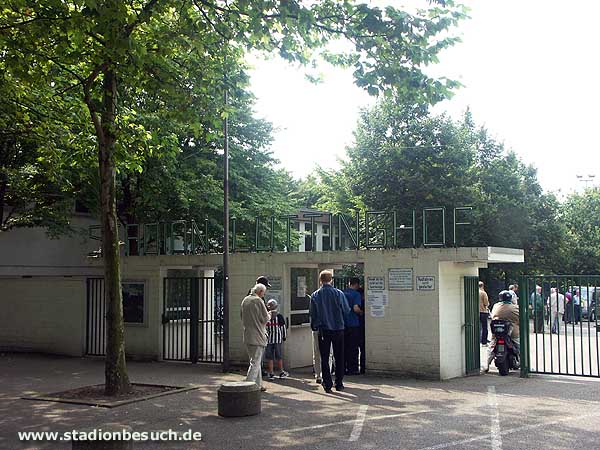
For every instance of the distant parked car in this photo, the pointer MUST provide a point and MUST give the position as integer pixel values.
(592, 312)
(588, 297)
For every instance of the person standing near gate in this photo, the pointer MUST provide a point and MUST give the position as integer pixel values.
(484, 313)
(254, 320)
(352, 331)
(556, 303)
(537, 307)
(361, 345)
(315, 347)
(577, 306)
(328, 307)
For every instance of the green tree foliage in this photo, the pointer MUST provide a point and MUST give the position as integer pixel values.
(580, 215)
(404, 158)
(141, 70)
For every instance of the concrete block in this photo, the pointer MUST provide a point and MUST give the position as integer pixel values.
(239, 399)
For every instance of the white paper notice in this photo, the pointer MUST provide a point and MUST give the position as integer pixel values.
(377, 298)
(377, 311)
(301, 290)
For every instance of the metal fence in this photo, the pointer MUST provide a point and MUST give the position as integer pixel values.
(95, 335)
(192, 319)
(472, 327)
(559, 324)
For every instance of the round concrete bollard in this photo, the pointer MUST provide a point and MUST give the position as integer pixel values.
(100, 443)
(239, 399)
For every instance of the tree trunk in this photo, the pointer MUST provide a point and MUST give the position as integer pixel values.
(116, 378)
(3, 188)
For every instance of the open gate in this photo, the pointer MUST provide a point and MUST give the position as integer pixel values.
(559, 325)
(472, 338)
(192, 319)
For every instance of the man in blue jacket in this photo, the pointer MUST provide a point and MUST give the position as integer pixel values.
(353, 326)
(328, 307)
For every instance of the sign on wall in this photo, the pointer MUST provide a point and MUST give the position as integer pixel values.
(377, 296)
(375, 283)
(400, 279)
(425, 283)
(301, 287)
(275, 292)
(377, 311)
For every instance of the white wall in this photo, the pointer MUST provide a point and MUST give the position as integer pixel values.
(406, 340)
(452, 317)
(421, 334)
(43, 315)
(29, 251)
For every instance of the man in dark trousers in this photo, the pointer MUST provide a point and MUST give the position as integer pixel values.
(328, 307)
(352, 334)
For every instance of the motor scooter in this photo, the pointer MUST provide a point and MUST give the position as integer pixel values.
(506, 354)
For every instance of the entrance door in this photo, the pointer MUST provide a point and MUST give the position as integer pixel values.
(303, 282)
(472, 339)
(192, 319)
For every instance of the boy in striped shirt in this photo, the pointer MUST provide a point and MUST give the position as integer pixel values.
(276, 334)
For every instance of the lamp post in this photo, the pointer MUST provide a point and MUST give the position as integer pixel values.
(586, 179)
(226, 228)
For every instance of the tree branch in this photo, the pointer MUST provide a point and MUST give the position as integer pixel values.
(87, 98)
(27, 22)
(143, 16)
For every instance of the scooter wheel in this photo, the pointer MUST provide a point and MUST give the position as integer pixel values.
(503, 367)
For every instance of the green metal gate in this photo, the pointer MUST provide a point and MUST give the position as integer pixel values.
(193, 319)
(472, 338)
(559, 325)
(95, 324)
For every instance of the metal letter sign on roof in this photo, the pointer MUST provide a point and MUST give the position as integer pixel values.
(185, 236)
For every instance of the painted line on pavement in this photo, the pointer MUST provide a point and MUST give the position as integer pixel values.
(349, 421)
(359, 422)
(495, 434)
(511, 431)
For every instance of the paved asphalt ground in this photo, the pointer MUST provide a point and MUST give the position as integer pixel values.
(482, 412)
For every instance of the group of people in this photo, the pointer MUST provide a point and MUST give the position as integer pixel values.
(336, 320)
(264, 332)
(556, 309)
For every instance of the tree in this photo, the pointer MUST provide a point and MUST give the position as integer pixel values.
(117, 58)
(580, 214)
(405, 158)
(38, 186)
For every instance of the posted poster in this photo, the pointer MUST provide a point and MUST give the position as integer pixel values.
(301, 287)
(377, 311)
(425, 283)
(375, 283)
(377, 298)
(400, 279)
(275, 292)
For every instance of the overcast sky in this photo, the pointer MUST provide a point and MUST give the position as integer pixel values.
(531, 76)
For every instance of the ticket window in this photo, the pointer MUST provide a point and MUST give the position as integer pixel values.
(303, 282)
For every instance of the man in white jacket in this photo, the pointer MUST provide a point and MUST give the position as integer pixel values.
(254, 319)
(556, 303)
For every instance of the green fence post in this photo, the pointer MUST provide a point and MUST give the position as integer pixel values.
(524, 326)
